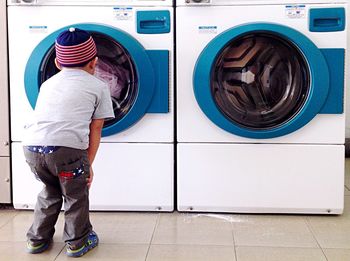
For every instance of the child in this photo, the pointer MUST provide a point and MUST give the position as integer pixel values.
(61, 143)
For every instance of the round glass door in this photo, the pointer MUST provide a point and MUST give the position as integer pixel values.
(260, 81)
(123, 64)
(114, 66)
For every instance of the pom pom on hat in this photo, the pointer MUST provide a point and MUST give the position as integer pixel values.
(74, 48)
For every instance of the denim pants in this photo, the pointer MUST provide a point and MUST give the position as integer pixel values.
(64, 173)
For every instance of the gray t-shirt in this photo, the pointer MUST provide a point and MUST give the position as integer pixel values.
(66, 104)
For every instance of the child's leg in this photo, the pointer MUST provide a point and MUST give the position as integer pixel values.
(77, 222)
(47, 209)
(73, 170)
(49, 201)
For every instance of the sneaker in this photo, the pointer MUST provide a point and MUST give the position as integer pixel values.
(36, 249)
(92, 241)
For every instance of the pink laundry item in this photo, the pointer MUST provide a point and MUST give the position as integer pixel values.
(114, 75)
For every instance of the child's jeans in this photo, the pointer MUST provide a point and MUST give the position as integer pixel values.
(64, 172)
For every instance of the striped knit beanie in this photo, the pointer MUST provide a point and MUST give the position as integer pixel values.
(74, 48)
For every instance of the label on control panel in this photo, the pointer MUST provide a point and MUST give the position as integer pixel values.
(38, 29)
(295, 11)
(212, 29)
(198, 2)
(122, 13)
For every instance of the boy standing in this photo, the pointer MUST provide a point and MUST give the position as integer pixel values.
(61, 143)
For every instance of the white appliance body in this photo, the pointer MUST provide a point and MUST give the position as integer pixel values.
(297, 171)
(5, 177)
(134, 167)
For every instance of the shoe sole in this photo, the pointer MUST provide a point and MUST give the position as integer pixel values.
(81, 252)
(38, 250)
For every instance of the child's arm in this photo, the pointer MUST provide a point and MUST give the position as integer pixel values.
(96, 126)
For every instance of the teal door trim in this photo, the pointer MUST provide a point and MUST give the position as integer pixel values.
(319, 75)
(144, 70)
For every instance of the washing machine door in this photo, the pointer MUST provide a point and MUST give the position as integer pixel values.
(261, 80)
(123, 63)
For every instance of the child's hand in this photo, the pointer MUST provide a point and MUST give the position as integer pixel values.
(90, 178)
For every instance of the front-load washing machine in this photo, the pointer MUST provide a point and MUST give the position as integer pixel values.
(134, 167)
(260, 106)
(5, 178)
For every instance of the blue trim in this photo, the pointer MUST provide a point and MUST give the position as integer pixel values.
(144, 70)
(318, 72)
(160, 62)
(153, 22)
(327, 19)
(336, 62)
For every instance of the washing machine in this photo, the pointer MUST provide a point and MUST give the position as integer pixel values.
(134, 166)
(5, 179)
(260, 106)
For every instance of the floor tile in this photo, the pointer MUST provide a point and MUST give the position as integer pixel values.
(332, 231)
(273, 230)
(346, 213)
(112, 252)
(13, 251)
(337, 254)
(59, 227)
(190, 253)
(279, 253)
(331, 234)
(124, 228)
(6, 216)
(347, 173)
(16, 228)
(178, 228)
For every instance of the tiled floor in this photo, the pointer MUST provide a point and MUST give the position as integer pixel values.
(191, 237)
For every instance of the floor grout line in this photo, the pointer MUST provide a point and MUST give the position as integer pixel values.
(286, 247)
(308, 224)
(234, 241)
(6, 222)
(196, 245)
(154, 229)
(59, 253)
